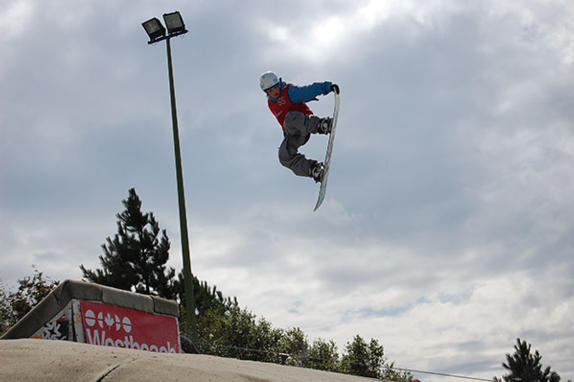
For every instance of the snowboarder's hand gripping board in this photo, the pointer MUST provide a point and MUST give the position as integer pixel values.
(327, 161)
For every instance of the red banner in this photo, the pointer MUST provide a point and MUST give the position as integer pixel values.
(110, 325)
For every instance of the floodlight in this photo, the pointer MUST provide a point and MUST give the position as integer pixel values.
(154, 29)
(174, 23)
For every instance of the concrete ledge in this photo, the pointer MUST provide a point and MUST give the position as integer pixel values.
(127, 299)
(70, 289)
(34, 319)
(164, 306)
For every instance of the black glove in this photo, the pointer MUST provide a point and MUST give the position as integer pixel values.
(335, 88)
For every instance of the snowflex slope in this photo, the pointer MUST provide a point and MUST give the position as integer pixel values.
(40, 360)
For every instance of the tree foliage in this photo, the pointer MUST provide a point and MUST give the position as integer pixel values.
(368, 360)
(206, 297)
(5, 311)
(525, 366)
(323, 355)
(294, 346)
(237, 333)
(31, 290)
(135, 258)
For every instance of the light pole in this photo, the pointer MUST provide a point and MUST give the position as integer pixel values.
(156, 33)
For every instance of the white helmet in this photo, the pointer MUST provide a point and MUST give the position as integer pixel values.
(268, 80)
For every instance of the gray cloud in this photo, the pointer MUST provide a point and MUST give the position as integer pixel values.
(446, 231)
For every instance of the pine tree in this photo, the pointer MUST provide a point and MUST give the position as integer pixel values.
(363, 359)
(526, 367)
(323, 355)
(135, 258)
(294, 343)
(368, 360)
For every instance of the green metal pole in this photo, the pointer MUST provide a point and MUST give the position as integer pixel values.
(187, 275)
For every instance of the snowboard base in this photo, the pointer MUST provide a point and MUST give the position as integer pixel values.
(327, 162)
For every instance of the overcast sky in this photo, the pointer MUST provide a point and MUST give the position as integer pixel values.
(447, 231)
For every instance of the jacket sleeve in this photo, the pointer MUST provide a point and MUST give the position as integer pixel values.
(307, 93)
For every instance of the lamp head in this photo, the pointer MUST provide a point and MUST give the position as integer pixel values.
(174, 23)
(154, 29)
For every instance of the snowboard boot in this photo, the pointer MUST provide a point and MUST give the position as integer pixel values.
(317, 171)
(325, 125)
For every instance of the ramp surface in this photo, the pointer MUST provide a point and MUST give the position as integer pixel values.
(44, 360)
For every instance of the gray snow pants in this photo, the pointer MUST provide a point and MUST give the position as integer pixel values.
(298, 129)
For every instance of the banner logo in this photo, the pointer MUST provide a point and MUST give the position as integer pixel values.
(109, 325)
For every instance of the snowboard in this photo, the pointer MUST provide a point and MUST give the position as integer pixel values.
(327, 161)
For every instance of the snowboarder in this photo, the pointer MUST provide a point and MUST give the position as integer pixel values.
(287, 102)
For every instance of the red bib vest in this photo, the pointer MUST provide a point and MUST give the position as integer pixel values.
(283, 105)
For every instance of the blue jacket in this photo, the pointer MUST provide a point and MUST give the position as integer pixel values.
(306, 93)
